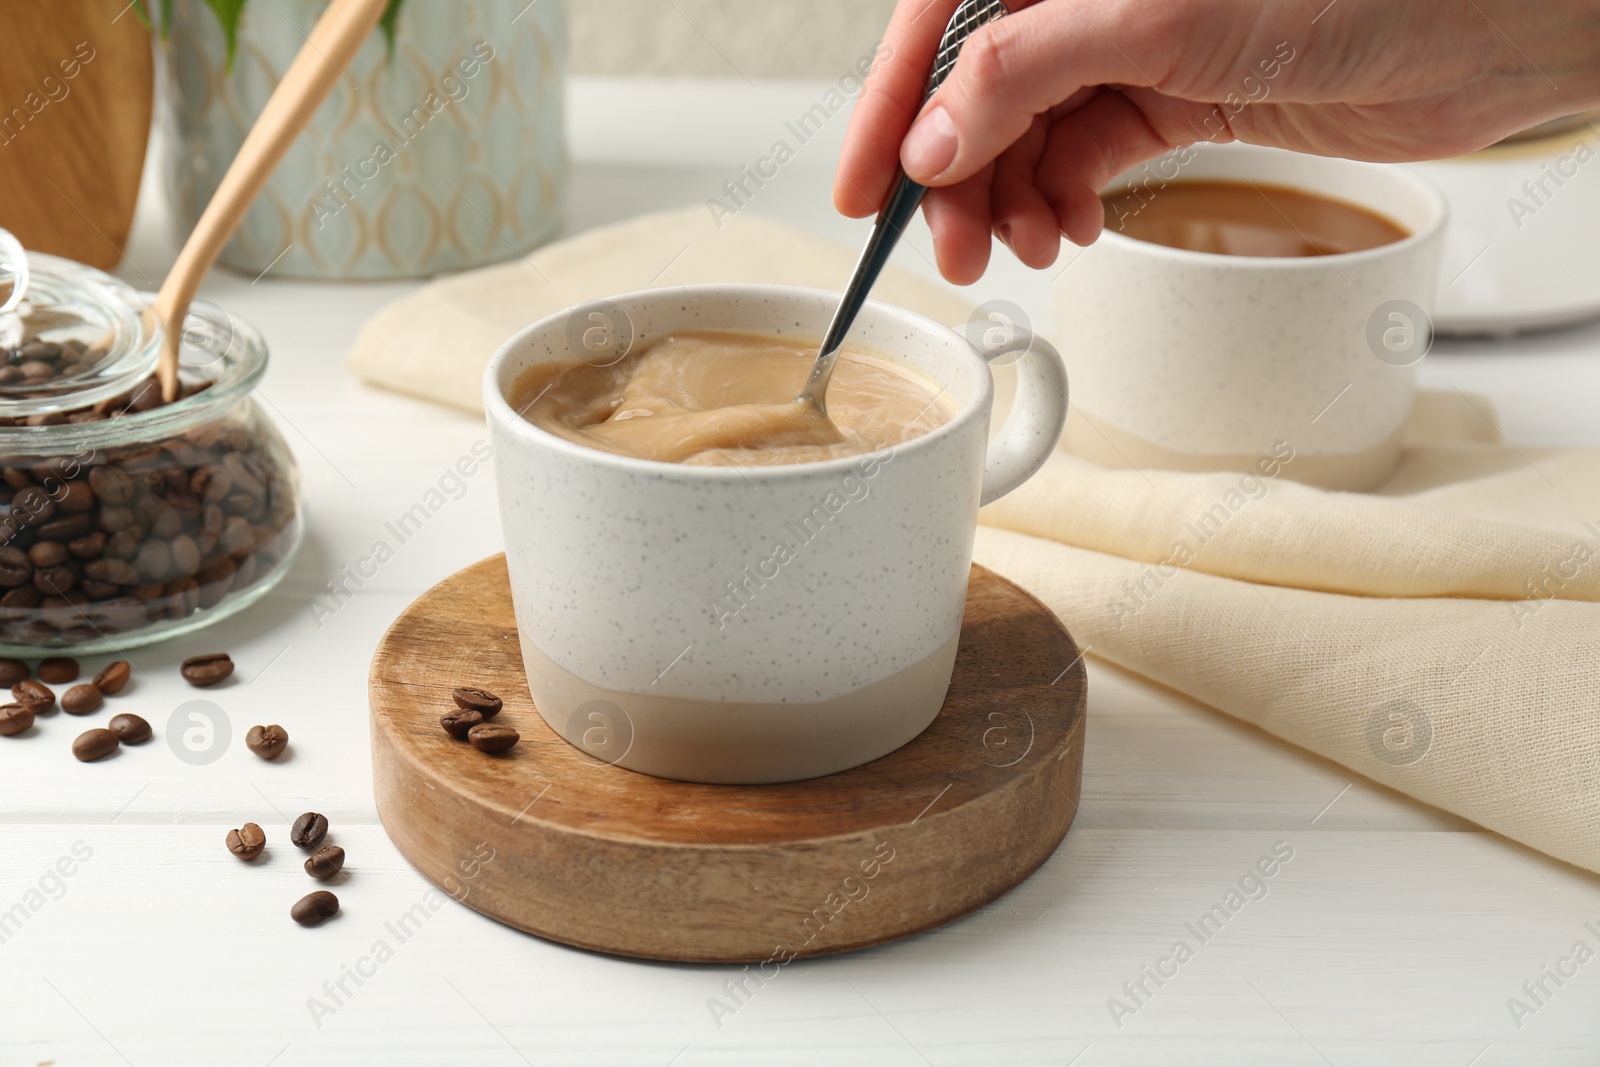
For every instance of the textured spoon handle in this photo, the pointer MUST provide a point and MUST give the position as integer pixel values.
(967, 18)
(902, 204)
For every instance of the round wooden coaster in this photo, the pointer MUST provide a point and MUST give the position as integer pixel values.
(552, 841)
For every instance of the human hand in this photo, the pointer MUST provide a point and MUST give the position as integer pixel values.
(1046, 106)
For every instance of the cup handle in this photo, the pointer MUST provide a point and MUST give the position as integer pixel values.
(1037, 416)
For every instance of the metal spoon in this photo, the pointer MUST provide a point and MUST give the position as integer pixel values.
(896, 213)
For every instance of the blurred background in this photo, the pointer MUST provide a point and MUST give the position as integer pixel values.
(706, 38)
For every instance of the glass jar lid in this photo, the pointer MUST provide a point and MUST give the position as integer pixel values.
(70, 336)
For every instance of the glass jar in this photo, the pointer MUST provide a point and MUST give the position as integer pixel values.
(124, 520)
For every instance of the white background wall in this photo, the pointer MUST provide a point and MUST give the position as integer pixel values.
(723, 38)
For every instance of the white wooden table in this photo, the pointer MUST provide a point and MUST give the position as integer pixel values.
(1396, 934)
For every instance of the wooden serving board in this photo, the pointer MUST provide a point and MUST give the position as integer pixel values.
(552, 841)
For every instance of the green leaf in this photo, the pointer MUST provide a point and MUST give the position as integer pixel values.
(227, 12)
(142, 13)
(389, 22)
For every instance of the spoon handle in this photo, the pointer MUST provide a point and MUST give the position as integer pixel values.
(334, 41)
(902, 205)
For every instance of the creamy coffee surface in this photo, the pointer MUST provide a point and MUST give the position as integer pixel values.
(725, 398)
(1246, 219)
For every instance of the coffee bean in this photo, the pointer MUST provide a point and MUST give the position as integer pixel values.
(268, 742)
(66, 529)
(458, 721)
(14, 718)
(37, 696)
(55, 581)
(15, 566)
(82, 700)
(47, 554)
(32, 506)
(247, 841)
(76, 498)
(113, 676)
(313, 908)
(111, 570)
(12, 671)
(185, 556)
(208, 669)
(89, 546)
(123, 545)
(325, 862)
(481, 701)
(238, 536)
(491, 737)
(58, 670)
(112, 485)
(308, 830)
(154, 560)
(95, 744)
(130, 729)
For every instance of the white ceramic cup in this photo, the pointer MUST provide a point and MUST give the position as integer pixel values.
(754, 624)
(1186, 360)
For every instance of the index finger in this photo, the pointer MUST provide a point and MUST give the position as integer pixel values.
(889, 102)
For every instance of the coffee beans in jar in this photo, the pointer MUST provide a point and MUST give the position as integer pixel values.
(115, 540)
(124, 518)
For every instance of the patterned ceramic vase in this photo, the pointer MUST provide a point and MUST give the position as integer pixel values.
(443, 152)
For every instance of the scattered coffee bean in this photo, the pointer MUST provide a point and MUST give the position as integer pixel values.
(14, 718)
(308, 830)
(130, 729)
(325, 862)
(209, 669)
(37, 696)
(95, 744)
(459, 721)
(58, 670)
(81, 700)
(489, 737)
(113, 676)
(268, 742)
(12, 671)
(481, 701)
(247, 841)
(313, 908)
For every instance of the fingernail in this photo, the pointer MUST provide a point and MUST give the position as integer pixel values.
(930, 147)
(1004, 233)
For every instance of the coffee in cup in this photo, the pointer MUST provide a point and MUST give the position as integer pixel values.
(1232, 218)
(727, 398)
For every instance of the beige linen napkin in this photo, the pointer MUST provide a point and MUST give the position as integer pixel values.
(435, 343)
(1441, 636)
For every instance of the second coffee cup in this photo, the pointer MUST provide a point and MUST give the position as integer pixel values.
(1194, 360)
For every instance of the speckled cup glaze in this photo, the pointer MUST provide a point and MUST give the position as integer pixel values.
(756, 624)
(1195, 361)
